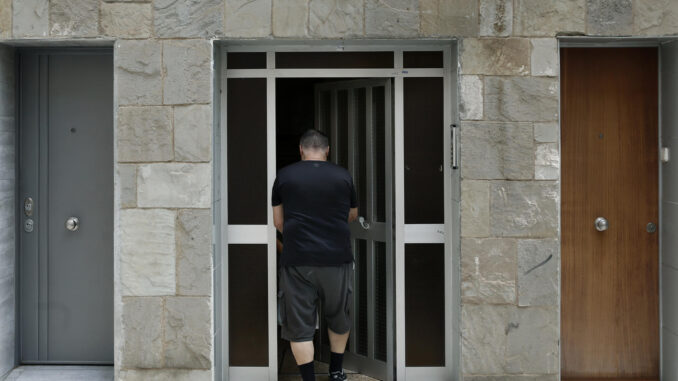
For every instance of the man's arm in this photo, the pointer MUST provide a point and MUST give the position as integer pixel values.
(278, 217)
(352, 214)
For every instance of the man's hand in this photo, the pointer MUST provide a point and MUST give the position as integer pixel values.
(352, 214)
(278, 217)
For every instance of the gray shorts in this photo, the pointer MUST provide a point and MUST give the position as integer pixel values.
(300, 290)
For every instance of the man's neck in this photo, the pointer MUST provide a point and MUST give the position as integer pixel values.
(314, 158)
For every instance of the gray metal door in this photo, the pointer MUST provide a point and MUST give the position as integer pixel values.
(357, 116)
(66, 196)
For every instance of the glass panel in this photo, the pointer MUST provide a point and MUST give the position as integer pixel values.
(342, 128)
(425, 304)
(379, 128)
(360, 152)
(246, 60)
(248, 305)
(246, 135)
(361, 263)
(333, 60)
(413, 60)
(380, 301)
(423, 133)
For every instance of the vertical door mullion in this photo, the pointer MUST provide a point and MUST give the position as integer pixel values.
(334, 122)
(271, 231)
(388, 168)
(369, 216)
(350, 104)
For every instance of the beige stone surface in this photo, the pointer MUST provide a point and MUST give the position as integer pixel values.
(475, 208)
(655, 17)
(392, 18)
(547, 162)
(188, 71)
(496, 17)
(495, 56)
(142, 324)
(488, 271)
(449, 18)
(524, 208)
(549, 17)
(193, 133)
(544, 57)
(609, 17)
(129, 20)
(529, 99)
(76, 18)
(546, 132)
(497, 150)
(138, 70)
(538, 272)
(247, 18)
(290, 18)
(144, 133)
(471, 93)
(147, 252)
(127, 175)
(5, 18)
(192, 18)
(336, 18)
(532, 342)
(194, 252)
(187, 334)
(30, 18)
(483, 338)
(166, 375)
(174, 185)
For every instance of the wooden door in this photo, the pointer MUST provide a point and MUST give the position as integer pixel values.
(610, 297)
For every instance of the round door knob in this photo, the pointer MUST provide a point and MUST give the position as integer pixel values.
(72, 224)
(601, 224)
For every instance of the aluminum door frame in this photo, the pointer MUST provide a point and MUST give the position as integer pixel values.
(447, 233)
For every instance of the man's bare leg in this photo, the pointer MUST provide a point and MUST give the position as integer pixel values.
(337, 341)
(303, 351)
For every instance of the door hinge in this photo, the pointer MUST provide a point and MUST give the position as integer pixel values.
(455, 146)
(665, 154)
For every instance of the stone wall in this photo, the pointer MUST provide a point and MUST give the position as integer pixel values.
(510, 159)
(7, 210)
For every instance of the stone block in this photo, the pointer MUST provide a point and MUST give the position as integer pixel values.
(547, 162)
(538, 276)
(248, 18)
(188, 67)
(194, 252)
(497, 150)
(174, 185)
(165, 375)
(129, 20)
(488, 271)
(609, 17)
(138, 69)
(549, 17)
(529, 99)
(495, 56)
(483, 338)
(532, 341)
(193, 133)
(522, 377)
(142, 328)
(290, 18)
(188, 334)
(147, 252)
(5, 18)
(127, 175)
(392, 18)
(471, 104)
(475, 208)
(144, 133)
(30, 18)
(191, 18)
(451, 18)
(74, 18)
(544, 57)
(496, 18)
(336, 18)
(546, 132)
(524, 208)
(7, 155)
(655, 17)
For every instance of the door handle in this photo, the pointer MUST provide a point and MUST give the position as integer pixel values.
(72, 224)
(601, 224)
(362, 222)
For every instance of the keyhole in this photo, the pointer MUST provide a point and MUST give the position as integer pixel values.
(72, 130)
(600, 136)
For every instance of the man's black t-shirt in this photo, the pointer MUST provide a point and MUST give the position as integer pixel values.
(316, 197)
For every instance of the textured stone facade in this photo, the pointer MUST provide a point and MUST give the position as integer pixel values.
(510, 161)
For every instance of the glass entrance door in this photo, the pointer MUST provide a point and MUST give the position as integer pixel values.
(356, 115)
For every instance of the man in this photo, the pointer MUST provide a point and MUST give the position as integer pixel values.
(313, 202)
